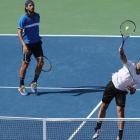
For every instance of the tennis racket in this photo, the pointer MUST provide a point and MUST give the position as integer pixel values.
(47, 64)
(127, 28)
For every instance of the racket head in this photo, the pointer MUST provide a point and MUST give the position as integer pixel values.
(47, 64)
(130, 31)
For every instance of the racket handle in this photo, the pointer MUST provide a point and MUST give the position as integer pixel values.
(122, 45)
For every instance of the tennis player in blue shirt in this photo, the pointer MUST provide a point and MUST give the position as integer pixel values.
(28, 32)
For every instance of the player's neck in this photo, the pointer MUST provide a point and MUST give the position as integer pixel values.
(31, 14)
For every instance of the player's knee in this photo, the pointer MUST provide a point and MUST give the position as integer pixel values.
(25, 66)
(104, 107)
(120, 111)
(121, 114)
(40, 64)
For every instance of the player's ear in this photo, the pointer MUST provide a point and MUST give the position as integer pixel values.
(25, 9)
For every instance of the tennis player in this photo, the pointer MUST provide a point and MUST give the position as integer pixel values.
(126, 79)
(28, 32)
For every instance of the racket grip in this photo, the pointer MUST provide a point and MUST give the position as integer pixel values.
(121, 51)
(122, 46)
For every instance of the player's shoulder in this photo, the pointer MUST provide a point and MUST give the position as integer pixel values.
(130, 64)
(37, 14)
(23, 17)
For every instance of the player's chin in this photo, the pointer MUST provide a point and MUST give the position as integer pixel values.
(32, 10)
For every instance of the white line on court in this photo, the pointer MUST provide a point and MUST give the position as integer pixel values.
(69, 88)
(74, 35)
(81, 125)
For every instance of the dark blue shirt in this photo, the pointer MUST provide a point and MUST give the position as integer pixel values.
(30, 28)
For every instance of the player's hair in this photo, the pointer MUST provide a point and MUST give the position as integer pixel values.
(25, 10)
(26, 4)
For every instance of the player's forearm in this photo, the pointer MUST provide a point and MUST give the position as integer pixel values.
(20, 37)
(122, 56)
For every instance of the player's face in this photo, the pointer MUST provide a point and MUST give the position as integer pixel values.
(138, 67)
(30, 7)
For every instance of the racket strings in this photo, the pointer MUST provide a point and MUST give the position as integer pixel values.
(46, 66)
(131, 29)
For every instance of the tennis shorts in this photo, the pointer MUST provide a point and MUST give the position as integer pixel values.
(110, 92)
(35, 49)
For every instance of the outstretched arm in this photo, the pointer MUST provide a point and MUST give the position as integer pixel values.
(122, 55)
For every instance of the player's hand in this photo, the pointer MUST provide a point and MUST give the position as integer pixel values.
(25, 49)
(131, 89)
(121, 50)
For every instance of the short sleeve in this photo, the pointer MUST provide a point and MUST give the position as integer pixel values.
(21, 23)
(129, 64)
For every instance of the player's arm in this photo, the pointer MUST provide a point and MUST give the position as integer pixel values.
(25, 49)
(122, 55)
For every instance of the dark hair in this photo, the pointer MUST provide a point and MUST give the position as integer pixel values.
(25, 10)
(26, 4)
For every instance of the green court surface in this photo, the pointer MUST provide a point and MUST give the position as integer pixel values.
(73, 17)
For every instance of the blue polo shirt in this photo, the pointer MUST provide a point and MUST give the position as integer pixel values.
(30, 28)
